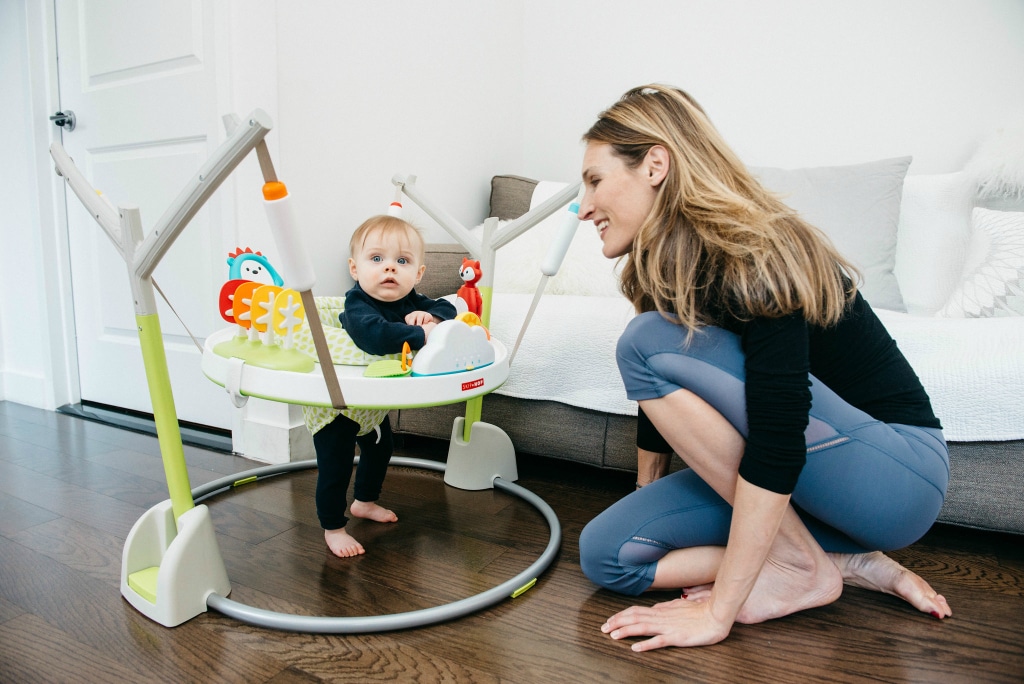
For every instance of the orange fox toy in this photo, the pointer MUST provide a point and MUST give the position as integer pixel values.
(469, 293)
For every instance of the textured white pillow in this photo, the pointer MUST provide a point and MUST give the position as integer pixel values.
(998, 164)
(585, 271)
(858, 207)
(934, 230)
(993, 284)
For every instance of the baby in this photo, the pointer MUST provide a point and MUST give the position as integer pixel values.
(381, 312)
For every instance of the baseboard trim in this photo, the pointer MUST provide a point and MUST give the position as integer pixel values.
(191, 434)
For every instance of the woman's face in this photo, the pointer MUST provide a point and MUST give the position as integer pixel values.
(617, 198)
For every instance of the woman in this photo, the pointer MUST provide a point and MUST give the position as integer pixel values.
(810, 442)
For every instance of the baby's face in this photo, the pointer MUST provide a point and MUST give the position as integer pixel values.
(386, 267)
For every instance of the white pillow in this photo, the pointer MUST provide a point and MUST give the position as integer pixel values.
(858, 207)
(934, 230)
(993, 284)
(998, 164)
(585, 271)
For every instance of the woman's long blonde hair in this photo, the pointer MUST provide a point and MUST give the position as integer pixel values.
(715, 238)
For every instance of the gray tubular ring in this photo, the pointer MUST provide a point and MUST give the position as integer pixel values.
(381, 623)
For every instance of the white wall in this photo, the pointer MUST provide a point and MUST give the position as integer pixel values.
(17, 245)
(456, 91)
(789, 82)
(33, 366)
(368, 90)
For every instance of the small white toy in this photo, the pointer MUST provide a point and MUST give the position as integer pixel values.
(454, 347)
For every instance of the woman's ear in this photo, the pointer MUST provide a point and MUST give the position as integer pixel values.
(656, 164)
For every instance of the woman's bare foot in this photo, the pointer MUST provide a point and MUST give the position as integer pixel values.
(878, 572)
(782, 589)
(371, 511)
(342, 544)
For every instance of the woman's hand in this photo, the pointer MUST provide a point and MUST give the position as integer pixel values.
(673, 623)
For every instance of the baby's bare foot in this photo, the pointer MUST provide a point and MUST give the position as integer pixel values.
(878, 572)
(371, 511)
(342, 544)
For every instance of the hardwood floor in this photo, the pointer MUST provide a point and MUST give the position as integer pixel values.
(70, 490)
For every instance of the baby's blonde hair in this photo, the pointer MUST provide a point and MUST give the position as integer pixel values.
(387, 226)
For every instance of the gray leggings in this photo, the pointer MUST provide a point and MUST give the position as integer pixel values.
(866, 485)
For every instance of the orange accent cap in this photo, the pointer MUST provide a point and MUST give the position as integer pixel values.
(274, 191)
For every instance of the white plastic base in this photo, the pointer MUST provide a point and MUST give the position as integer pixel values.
(360, 391)
(189, 560)
(271, 432)
(488, 454)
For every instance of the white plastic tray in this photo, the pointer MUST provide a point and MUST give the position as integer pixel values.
(359, 392)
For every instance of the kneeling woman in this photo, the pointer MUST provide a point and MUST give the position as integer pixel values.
(810, 441)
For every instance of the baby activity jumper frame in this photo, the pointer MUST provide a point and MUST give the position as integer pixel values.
(172, 569)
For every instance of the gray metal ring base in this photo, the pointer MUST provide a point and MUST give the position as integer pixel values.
(382, 623)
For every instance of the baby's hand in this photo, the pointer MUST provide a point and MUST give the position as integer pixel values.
(419, 318)
(427, 328)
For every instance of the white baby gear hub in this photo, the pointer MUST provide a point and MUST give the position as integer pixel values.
(310, 388)
(172, 569)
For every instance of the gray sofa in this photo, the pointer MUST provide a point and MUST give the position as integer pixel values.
(986, 487)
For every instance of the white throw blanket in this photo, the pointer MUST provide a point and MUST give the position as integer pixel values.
(971, 368)
(568, 352)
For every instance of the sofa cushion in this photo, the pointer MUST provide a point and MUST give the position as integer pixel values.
(584, 271)
(858, 207)
(510, 196)
(444, 263)
(934, 228)
(993, 283)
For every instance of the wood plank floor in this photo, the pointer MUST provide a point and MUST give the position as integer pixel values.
(70, 491)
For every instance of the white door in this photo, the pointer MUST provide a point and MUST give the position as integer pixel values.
(140, 78)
